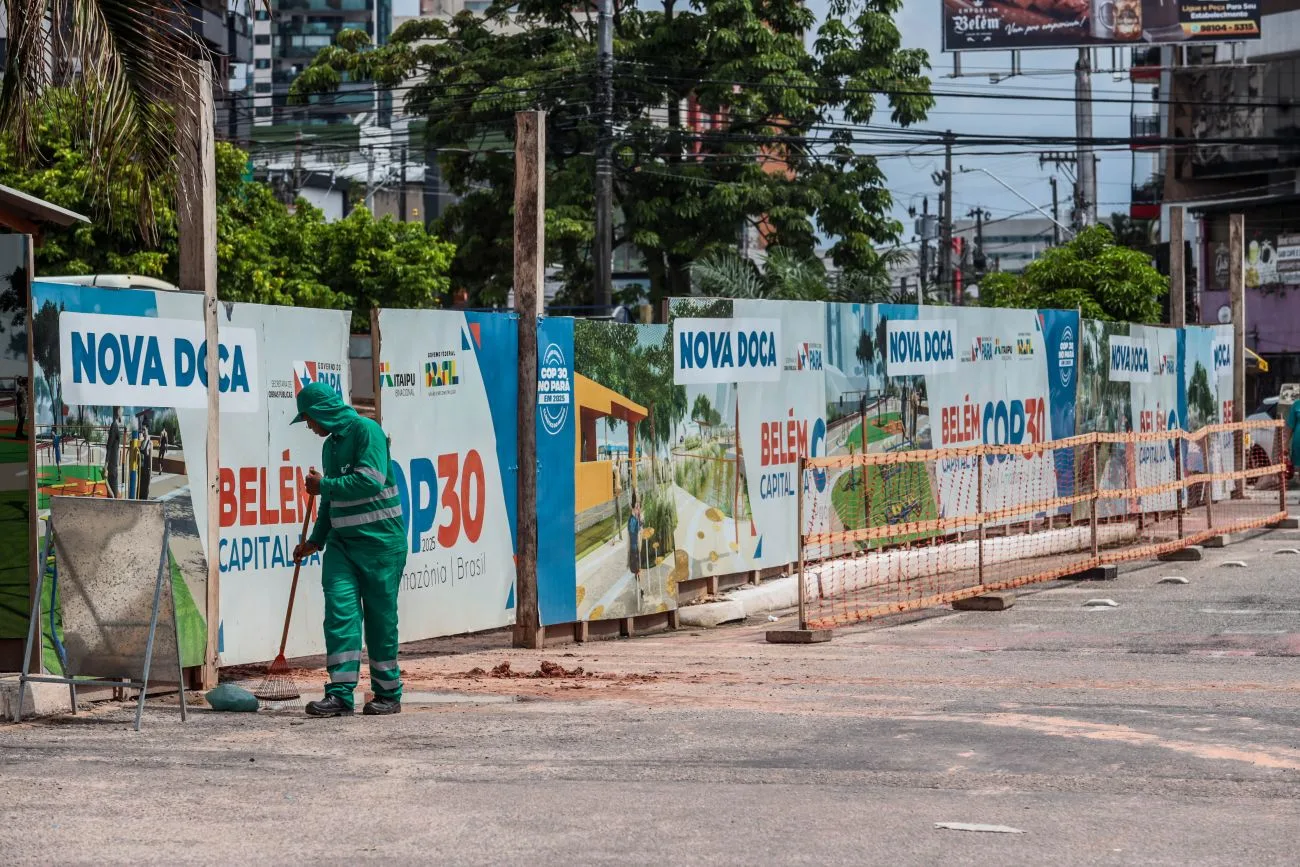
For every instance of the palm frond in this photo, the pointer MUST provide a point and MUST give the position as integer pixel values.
(132, 64)
(727, 275)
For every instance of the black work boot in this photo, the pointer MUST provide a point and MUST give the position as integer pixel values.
(382, 706)
(330, 705)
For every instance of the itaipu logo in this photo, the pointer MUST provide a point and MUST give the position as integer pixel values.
(400, 384)
(307, 372)
(1065, 355)
(553, 389)
(389, 379)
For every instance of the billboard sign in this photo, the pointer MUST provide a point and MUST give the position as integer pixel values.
(976, 25)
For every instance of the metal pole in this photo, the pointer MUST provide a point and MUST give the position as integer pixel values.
(1092, 502)
(1178, 476)
(1209, 486)
(603, 248)
(1237, 298)
(1015, 193)
(1280, 447)
(1177, 270)
(979, 508)
(1056, 215)
(948, 285)
(866, 483)
(153, 628)
(803, 613)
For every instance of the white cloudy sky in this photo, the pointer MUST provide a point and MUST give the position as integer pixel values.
(909, 177)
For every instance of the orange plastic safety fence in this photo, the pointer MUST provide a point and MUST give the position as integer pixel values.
(892, 532)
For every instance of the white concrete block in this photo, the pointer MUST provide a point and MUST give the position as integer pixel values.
(39, 699)
(711, 614)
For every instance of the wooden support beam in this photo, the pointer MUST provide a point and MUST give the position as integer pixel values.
(196, 222)
(530, 246)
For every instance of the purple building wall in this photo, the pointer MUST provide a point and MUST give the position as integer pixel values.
(1272, 319)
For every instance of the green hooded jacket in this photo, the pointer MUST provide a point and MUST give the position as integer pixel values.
(359, 502)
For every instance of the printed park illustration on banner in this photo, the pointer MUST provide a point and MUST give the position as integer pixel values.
(755, 388)
(631, 431)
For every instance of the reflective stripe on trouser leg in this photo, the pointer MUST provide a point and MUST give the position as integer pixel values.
(340, 579)
(379, 588)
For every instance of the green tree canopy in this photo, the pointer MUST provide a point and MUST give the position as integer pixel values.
(1091, 272)
(267, 252)
(792, 96)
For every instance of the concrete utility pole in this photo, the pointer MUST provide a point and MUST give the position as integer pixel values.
(370, 179)
(1237, 298)
(948, 285)
(603, 248)
(1056, 215)
(1177, 273)
(530, 243)
(196, 223)
(401, 190)
(1085, 164)
(925, 245)
(297, 164)
(978, 260)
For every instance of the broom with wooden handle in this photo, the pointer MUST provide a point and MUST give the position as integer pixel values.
(278, 686)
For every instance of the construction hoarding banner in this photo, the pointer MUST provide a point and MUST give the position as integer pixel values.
(983, 25)
(447, 387)
(1129, 382)
(112, 349)
(901, 378)
(1205, 398)
(264, 458)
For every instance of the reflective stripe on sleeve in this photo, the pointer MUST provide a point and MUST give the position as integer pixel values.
(371, 473)
(365, 518)
(390, 491)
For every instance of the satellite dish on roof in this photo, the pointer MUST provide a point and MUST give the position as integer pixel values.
(1225, 314)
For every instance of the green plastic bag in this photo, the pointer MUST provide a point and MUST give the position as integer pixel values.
(227, 696)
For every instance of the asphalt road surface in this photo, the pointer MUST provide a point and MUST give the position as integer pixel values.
(1163, 731)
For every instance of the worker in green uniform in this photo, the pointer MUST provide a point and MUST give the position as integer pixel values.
(359, 527)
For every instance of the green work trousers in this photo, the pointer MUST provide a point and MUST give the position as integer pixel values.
(361, 588)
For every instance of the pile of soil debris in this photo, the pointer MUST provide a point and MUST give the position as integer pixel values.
(546, 670)
(551, 670)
